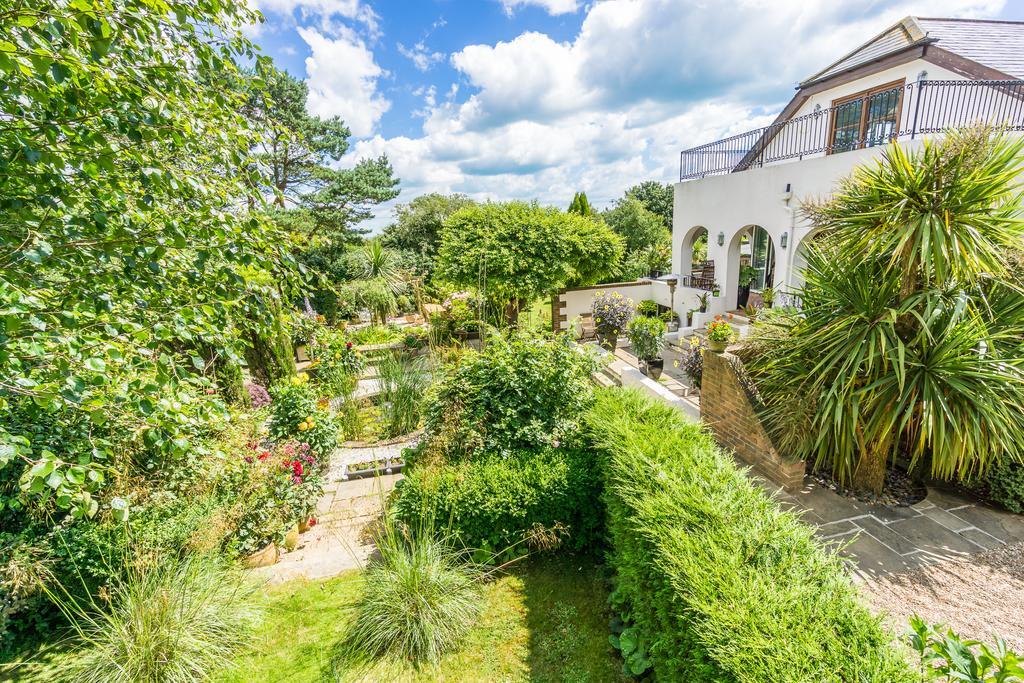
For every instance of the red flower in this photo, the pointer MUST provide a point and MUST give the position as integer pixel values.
(264, 455)
(312, 521)
(348, 345)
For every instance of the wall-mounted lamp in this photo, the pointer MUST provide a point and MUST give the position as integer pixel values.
(817, 108)
(922, 76)
(785, 239)
(721, 239)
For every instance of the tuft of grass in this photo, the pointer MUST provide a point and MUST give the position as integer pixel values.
(171, 621)
(420, 598)
(403, 380)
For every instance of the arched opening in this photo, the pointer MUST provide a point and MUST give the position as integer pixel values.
(800, 257)
(752, 251)
(695, 262)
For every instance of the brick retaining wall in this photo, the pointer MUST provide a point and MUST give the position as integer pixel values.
(726, 408)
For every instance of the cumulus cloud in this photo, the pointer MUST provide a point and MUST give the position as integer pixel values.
(342, 77)
(553, 7)
(640, 81)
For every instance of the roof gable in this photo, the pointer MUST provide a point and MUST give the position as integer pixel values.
(998, 45)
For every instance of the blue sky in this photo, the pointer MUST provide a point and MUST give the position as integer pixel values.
(536, 99)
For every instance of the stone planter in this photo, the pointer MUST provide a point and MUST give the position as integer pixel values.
(263, 558)
(672, 326)
(608, 342)
(717, 346)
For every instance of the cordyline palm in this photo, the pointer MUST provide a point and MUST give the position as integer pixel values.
(910, 341)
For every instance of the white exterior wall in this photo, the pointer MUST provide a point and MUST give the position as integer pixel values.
(730, 203)
(577, 301)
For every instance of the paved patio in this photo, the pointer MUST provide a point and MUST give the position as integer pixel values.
(343, 536)
(882, 540)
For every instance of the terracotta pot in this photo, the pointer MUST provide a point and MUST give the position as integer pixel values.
(263, 558)
(717, 346)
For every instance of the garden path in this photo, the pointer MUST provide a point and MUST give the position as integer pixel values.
(343, 536)
(882, 540)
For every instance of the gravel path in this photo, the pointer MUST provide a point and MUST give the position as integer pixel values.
(977, 597)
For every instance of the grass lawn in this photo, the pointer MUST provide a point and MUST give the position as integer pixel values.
(544, 621)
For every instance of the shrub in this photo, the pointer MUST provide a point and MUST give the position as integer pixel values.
(338, 364)
(498, 501)
(376, 334)
(647, 307)
(519, 392)
(718, 330)
(647, 336)
(420, 597)
(403, 379)
(611, 313)
(1005, 482)
(718, 580)
(945, 656)
(168, 621)
(258, 395)
(296, 414)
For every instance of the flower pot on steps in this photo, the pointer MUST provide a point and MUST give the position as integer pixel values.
(717, 346)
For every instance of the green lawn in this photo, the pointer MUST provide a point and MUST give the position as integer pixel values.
(546, 620)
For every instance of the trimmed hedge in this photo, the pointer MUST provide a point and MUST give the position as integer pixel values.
(495, 500)
(718, 581)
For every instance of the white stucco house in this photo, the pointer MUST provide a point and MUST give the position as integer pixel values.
(917, 79)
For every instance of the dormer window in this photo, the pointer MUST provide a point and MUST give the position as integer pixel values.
(865, 119)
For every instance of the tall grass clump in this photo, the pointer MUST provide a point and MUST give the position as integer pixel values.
(421, 596)
(716, 579)
(403, 380)
(170, 621)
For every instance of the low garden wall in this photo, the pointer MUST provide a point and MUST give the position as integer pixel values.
(575, 302)
(727, 409)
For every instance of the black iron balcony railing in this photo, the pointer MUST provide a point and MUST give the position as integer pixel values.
(876, 118)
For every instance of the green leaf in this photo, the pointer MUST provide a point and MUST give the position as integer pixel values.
(96, 364)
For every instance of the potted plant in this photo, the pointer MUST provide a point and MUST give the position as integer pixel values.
(611, 313)
(647, 336)
(647, 307)
(747, 276)
(671, 319)
(768, 296)
(719, 332)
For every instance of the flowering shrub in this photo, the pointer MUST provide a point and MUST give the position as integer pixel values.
(461, 308)
(277, 486)
(296, 414)
(718, 330)
(611, 313)
(337, 363)
(692, 362)
(258, 395)
(307, 328)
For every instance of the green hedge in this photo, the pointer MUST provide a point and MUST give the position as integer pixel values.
(717, 581)
(493, 501)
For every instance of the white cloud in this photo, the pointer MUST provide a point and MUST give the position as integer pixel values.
(553, 7)
(420, 55)
(342, 77)
(642, 80)
(325, 13)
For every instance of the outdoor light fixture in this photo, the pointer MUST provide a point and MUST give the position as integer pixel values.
(922, 76)
(721, 239)
(784, 240)
(817, 108)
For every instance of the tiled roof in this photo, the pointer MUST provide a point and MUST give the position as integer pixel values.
(995, 44)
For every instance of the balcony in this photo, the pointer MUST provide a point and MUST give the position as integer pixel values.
(878, 117)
